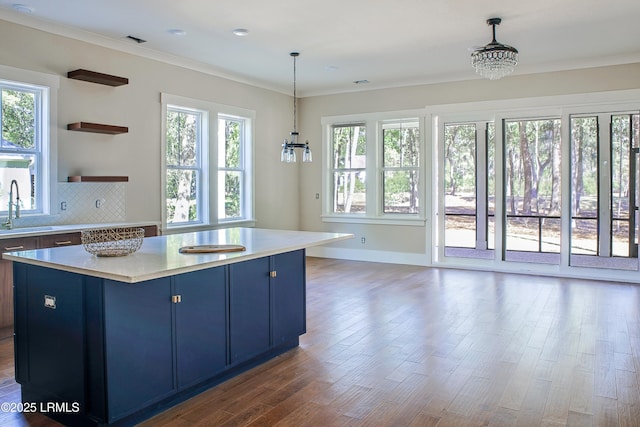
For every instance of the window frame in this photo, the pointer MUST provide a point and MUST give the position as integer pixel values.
(208, 194)
(202, 173)
(244, 159)
(46, 86)
(335, 170)
(390, 124)
(374, 169)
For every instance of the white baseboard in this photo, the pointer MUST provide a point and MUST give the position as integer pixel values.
(369, 255)
(503, 267)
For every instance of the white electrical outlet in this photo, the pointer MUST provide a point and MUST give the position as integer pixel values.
(99, 203)
(63, 206)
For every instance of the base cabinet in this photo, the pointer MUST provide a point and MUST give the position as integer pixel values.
(49, 336)
(267, 304)
(138, 345)
(124, 352)
(289, 316)
(201, 325)
(249, 324)
(6, 281)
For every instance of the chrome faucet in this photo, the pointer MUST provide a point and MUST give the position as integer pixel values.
(9, 223)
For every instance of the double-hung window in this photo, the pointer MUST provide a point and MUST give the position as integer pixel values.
(207, 163)
(401, 166)
(348, 168)
(373, 168)
(232, 173)
(26, 145)
(186, 177)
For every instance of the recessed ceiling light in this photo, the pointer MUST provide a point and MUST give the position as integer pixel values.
(22, 8)
(241, 32)
(177, 32)
(361, 82)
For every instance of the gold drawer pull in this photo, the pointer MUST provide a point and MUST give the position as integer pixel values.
(65, 242)
(176, 299)
(273, 274)
(14, 248)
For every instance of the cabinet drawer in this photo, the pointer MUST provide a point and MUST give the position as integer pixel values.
(57, 240)
(18, 244)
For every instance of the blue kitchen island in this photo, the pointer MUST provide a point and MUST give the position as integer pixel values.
(115, 340)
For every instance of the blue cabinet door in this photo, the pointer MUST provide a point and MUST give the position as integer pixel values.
(201, 325)
(289, 297)
(138, 344)
(249, 327)
(50, 334)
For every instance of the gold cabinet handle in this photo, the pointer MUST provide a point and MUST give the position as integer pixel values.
(14, 248)
(273, 274)
(65, 242)
(176, 299)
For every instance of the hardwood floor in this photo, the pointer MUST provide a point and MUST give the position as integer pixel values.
(390, 345)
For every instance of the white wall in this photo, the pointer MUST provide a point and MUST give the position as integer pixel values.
(137, 106)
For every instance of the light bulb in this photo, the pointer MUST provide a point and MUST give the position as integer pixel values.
(306, 154)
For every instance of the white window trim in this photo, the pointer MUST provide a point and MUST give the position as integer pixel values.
(374, 211)
(49, 84)
(210, 218)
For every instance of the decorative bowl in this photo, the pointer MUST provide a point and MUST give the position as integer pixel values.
(110, 242)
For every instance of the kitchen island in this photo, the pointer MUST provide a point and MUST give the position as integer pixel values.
(112, 341)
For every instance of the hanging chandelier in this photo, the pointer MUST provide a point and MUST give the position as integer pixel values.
(288, 154)
(495, 60)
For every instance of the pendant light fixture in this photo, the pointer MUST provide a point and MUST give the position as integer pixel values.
(495, 60)
(288, 154)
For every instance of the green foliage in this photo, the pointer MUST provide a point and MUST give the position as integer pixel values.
(182, 132)
(349, 142)
(232, 160)
(18, 117)
(460, 158)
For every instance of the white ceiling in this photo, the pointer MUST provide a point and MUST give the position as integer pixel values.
(387, 42)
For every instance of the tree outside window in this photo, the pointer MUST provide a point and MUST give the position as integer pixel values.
(184, 170)
(401, 141)
(349, 168)
(20, 147)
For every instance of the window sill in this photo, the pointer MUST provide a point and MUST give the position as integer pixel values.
(204, 227)
(415, 221)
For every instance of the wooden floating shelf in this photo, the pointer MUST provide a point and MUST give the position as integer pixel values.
(95, 77)
(97, 128)
(94, 178)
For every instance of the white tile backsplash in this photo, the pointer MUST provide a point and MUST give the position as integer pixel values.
(92, 202)
(81, 200)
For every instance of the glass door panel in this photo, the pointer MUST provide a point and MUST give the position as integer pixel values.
(460, 185)
(604, 191)
(584, 185)
(621, 235)
(532, 190)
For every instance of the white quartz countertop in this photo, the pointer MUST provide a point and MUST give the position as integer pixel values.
(159, 256)
(64, 228)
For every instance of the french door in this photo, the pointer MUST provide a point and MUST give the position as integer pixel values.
(604, 190)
